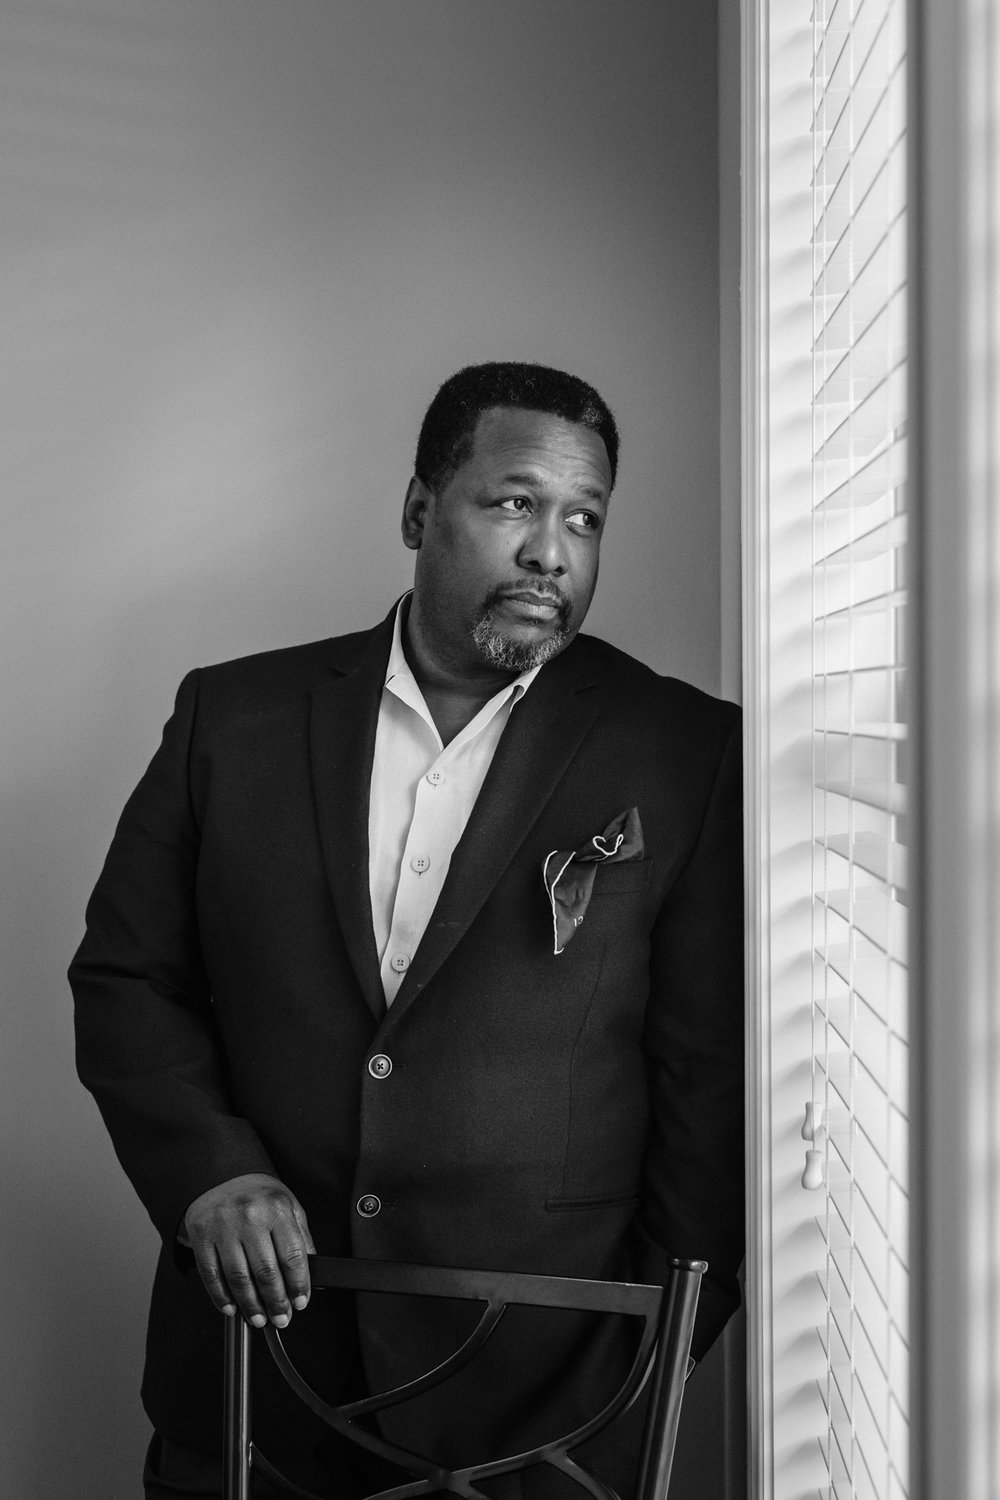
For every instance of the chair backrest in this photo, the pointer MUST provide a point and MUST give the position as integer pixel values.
(666, 1314)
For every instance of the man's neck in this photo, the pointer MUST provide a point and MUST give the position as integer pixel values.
(453, 696)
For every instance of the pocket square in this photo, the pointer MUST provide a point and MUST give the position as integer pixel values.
(569, 874)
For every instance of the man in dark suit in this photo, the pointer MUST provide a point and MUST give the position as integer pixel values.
(424, 944)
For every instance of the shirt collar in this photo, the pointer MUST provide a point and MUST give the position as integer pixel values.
(399, 668)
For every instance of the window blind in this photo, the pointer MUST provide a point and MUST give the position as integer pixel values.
(859, 534)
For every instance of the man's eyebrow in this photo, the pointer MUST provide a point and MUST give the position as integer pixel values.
(592, 493)
(534, 480)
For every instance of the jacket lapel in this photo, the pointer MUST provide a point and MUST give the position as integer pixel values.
(343, 720)
(544, 733)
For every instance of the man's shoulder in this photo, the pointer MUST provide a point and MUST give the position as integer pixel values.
(292, 668)
(305, 657)
(634, 687)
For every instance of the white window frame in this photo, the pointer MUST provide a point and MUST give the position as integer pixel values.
(786, 1261)
(955, 473)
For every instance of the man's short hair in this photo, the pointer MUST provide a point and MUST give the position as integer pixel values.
(448, 430)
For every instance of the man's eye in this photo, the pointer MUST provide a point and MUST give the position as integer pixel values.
(516, 502)
(586, 519)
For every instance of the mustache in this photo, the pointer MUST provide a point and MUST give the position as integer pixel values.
(546, 595)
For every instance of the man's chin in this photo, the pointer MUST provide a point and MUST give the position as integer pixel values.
(508, 654)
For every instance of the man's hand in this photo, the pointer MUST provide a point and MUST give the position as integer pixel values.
(250, 1241)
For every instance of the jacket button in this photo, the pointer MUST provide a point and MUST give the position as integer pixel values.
(380, 1066)
(369, 1205)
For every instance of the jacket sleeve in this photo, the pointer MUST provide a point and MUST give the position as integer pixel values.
(147, 1047)
(693, 1199)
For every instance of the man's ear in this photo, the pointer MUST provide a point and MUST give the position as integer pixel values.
(418, 498)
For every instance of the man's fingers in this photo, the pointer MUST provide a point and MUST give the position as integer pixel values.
(214, 1280)
(300, 1219)
(293, 1248)
(277, 1253)
(251, 1243)
(242, 1285)
(269, 1282)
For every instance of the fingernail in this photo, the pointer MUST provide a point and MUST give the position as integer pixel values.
(299, 1303)
(229, 1310)
(281, 1320)
(258, 1320)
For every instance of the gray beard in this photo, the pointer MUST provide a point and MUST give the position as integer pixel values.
(505, 655)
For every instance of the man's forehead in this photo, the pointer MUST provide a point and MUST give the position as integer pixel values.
(523, 442)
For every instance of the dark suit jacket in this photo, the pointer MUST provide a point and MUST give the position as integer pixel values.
(578, 1114)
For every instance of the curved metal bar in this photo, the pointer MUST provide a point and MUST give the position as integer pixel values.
(594, 1486)
(477, 1338)
(647, 1372)
(342, 1418)
(491, 1316)
(434, 1484)
(407, 1491)
(544, 1452)
(262, 1465)
(334, 1417)
(659, 1312)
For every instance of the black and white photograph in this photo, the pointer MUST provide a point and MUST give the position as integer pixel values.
(501, 749)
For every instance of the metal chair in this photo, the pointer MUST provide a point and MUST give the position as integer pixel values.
(667, 1316)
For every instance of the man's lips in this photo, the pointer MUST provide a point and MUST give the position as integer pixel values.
(533, 605)
(532, 596)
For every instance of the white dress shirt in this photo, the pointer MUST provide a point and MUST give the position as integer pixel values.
(422, 793)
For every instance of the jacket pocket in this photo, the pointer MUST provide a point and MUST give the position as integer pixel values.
(603, 1200)
(614, 880)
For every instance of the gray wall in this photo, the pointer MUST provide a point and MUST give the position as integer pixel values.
(243, 243)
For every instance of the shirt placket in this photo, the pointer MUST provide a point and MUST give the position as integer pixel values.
(442, 805)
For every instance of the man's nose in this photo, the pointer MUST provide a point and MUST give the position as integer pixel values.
(543, 549)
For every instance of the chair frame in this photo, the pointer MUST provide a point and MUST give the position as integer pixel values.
(667, 1314)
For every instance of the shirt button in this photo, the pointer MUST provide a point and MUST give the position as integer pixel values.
(420, 863)
(368, 1206)
(400, 961)
(380, 1066)
(436, 778)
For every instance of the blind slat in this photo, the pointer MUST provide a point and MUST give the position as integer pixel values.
(871, 853)
(874, 913)
(860, 428)
(888, 797)
(872, 604)
(871, 480)
(873, 976)
(884, 539)
(896, 732)
(855, 284)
